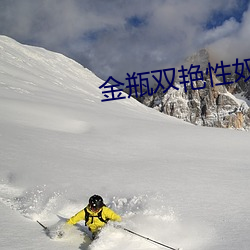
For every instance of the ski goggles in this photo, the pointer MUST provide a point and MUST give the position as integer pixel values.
(94, 208)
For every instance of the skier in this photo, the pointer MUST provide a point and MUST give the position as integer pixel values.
(95, 214)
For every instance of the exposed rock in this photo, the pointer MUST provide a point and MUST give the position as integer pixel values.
(210, 106)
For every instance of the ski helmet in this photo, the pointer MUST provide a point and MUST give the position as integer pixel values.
(95, 202)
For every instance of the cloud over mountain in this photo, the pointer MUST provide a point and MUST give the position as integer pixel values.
(116, 37)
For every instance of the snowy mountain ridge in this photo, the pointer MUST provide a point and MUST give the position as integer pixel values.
(40, 74)
(182, 185)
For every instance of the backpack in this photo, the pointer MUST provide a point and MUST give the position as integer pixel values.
(88, 216)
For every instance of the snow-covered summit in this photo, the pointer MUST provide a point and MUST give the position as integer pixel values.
(33, 74)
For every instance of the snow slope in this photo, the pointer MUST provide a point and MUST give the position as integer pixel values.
(176, 183)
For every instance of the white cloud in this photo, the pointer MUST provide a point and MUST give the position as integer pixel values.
(228, 28)
(235, 44)
(97, 33)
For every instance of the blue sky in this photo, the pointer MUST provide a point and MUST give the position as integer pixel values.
(218, 17)
(115, 37)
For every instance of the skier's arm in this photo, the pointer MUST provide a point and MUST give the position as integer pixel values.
(110, 214)
(77, 217)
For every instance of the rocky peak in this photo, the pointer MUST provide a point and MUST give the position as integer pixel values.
(210, 106)
(199, 58)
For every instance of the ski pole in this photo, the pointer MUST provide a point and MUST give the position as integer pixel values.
(146, 238)
(45, 228)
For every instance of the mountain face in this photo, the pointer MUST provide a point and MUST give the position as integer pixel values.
(222, 106)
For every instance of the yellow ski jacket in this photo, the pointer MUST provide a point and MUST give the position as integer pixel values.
(94, 223)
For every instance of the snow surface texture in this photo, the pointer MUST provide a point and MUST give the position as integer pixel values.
(179, 184)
